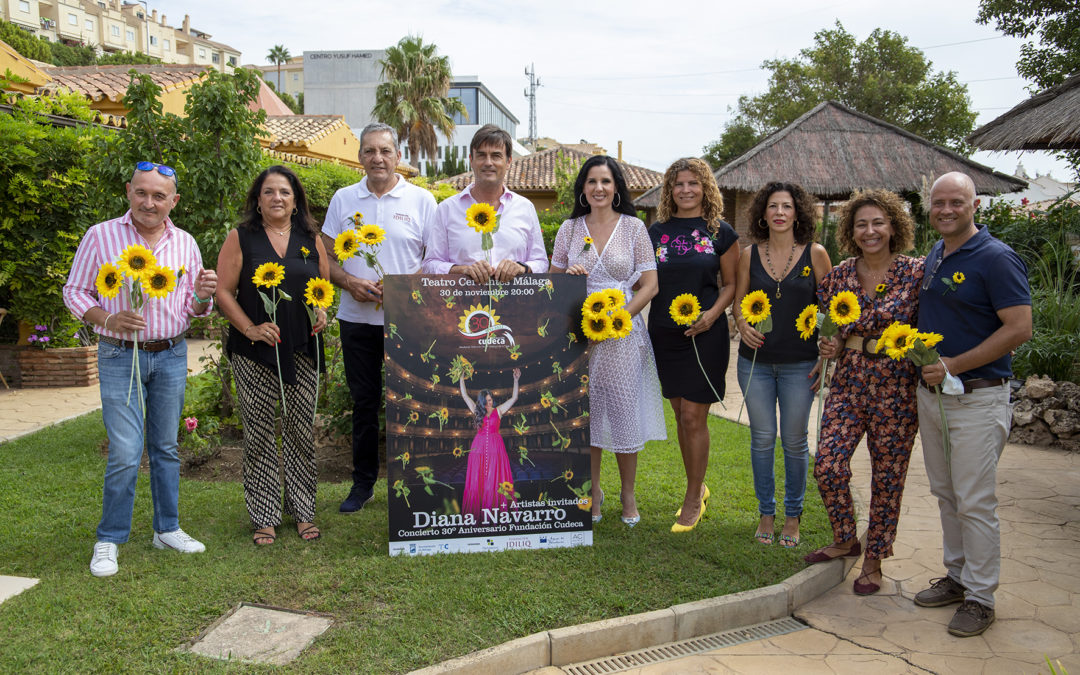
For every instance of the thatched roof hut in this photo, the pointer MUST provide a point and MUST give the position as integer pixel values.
(833, 150)
(1049, 120)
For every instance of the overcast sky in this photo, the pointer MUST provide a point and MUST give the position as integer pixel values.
(659, 76)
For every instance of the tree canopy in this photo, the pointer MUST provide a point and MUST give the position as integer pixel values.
(278, 55)
(413, 97)
(882, 76)
(1056, 53)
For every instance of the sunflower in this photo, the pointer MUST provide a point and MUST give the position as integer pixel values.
(755, 307)
(596, 328)
(372, 235)
(345, 245)
(268, 274)
(685, 309)
(506, 488)
(958, 277)
(414, 416)
(897, 339)
(545, 402)
(585, 504)
(157, 282)
(108, 281)
(584, 379)
(621, 323)
(588, 240)
(514, 356)
(567, 475)
(806, 271)
(444, 413)
(357, 218)
(481, 217)
(458, 451)
(844, 308)
(615, 297)
(930, 340)
(135, 260)
(595, 305)
(880, 289)
(319, 293)
(806, 323)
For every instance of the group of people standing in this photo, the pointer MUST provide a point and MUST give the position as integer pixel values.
(689, 250)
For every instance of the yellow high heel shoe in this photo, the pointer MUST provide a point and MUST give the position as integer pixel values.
(686, 528)
(704, 499)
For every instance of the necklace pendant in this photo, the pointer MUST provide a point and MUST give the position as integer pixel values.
(777, 291)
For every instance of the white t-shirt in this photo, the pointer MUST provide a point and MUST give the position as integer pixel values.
(405, 213)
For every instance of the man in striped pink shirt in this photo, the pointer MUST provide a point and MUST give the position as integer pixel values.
(159, 327)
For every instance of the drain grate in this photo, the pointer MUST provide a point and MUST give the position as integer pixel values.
(676, 650)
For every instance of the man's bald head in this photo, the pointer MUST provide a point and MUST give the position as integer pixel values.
(952, 207)
(956, 179)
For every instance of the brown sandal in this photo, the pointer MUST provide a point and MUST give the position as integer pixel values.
(261, 535)
(306, 530)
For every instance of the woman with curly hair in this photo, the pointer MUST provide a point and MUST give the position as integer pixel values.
(786, 265)
(696, 253)
(871, 393)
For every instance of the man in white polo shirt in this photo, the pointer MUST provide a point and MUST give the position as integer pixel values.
(404, 210)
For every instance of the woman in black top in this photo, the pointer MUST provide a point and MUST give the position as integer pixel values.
(275, 227)
(695, 253)
(787, 265)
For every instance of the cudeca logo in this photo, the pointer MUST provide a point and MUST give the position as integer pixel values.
(481, 323)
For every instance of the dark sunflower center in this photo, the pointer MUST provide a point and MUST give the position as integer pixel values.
(159, 281)
(318, 293)
(137, 263)
(756, 308)
(481, 218)
(110, 279)
(268, 275)
(901, 341)
(842, 309)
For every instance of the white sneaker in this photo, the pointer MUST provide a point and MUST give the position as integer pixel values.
(103, 564)
(178, 540)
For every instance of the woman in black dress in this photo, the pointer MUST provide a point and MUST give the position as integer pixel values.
(276, 227)
(695, 253)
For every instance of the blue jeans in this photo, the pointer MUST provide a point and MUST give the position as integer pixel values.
(163, 375)
(789, 385)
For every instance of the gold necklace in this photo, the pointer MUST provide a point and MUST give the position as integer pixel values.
(772, 272)
(277, 232)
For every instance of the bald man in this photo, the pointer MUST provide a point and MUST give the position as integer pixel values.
(974, 293)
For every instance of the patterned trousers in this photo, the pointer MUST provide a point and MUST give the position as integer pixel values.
(258, 393)
(875, 397)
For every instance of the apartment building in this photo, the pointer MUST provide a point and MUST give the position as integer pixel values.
(114, 26)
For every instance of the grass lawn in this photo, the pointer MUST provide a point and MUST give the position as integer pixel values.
(390, 614)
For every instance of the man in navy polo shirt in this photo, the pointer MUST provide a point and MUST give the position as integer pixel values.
(974, 293)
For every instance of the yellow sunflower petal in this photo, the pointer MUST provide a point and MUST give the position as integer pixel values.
(806, 322)
(481, 217)
(615, 297)
(596, 328)
(621, 323)
(268, 275)
(930, 340)
(755, 307)
(595, 305)
(319, 293)
(372, 235)
(685, 309)
(135, 260)
(157, 282)
(345, 245)
(108, 280)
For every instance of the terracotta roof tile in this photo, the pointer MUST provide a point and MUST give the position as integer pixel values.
(303, 129)
(111, 82)
(537, 172)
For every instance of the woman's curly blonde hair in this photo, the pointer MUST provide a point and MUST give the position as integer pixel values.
(892, 205)
(712, 204)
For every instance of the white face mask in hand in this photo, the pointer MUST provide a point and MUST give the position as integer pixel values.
(952, 384)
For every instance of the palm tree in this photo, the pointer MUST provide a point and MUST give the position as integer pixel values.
(279, 54)
(413, 96)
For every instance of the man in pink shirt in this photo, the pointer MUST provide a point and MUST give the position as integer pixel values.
(452, 247)
(159, 327)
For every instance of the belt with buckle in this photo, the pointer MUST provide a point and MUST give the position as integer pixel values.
(148, 346)
(866, 345)
(972, 385)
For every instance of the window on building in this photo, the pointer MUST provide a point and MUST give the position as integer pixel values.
(73, 20)
(215, 57)
(166, 45)
(202, 53)
(115, 30)
(296, 77)
(130, 35)
(89, 24)
(101, 5)
(24, 6)
(232, 61)
(153, 39)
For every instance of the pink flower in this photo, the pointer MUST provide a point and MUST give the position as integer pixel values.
(664, 239)
(1024, 201)
(191, 423)
(41, 328)
(44, 338)
(32, 338)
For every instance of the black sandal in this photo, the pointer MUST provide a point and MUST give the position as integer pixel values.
(309, 528)
(261, 534)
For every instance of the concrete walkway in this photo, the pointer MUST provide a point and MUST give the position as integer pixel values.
(24, 411)
(1038, 603)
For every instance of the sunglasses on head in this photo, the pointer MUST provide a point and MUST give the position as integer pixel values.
(164, 170)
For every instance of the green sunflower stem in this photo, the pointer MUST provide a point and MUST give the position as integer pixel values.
(719, 398)
(749, 379)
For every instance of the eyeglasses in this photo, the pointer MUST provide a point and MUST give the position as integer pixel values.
(928, 275)
(164, 170)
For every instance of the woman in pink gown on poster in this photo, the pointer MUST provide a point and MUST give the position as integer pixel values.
(489, 465)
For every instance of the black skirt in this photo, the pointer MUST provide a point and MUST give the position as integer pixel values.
(677, 365)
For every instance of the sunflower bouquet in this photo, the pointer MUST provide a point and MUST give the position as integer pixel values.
(757, 310)
(684, 310)
(900, 341)
(604, 315)
(138, 274)
(843, 309)
(270, 275)
(319, 294)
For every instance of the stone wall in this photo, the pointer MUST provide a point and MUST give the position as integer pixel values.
(1047, 413)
